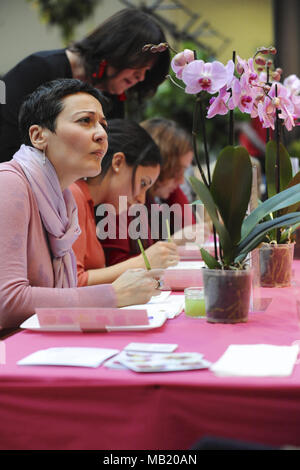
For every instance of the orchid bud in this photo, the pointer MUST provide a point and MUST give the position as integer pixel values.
(273, 50)
(260, 69)
(260, 60)
(161, 47)
(147, 47)
(239, 69)
(266, 88)
(279, 70)
(264, 50)
(269, 63)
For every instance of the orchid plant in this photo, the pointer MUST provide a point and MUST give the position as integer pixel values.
(253, 87)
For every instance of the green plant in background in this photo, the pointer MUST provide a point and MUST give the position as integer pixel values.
(66, 14)
(294, 148)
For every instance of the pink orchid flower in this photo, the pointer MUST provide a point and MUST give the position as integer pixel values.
(267, 109)
(180, 60)
(292, 83)
(266, 114)
(210, 77)
(246, 67)
(218, 105)
(285, 105)
(295, 99)
(242, 95)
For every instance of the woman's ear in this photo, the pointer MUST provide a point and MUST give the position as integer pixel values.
(118, 162)
(38, 136)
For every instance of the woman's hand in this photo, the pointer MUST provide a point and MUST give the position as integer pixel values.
(162, 255)
(137, 286)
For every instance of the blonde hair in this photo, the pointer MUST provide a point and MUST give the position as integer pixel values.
(173, 143)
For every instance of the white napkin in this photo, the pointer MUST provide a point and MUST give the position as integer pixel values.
(256, 360)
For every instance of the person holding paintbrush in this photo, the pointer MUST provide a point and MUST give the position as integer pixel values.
(129, 168)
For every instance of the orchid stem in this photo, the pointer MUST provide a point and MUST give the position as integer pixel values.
(231, 115)
(205, 141)
(208, 168)
(194, 134)
(198, 108)
(195, 131)
(268, 83)
(277, 166)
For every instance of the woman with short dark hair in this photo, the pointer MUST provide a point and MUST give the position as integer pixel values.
(66, 126)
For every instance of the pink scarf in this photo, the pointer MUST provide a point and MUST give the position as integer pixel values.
(58, 212)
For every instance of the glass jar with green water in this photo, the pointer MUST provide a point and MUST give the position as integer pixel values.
(194, 302)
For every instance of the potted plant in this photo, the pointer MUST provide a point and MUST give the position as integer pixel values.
(273, 260)
(226, 195)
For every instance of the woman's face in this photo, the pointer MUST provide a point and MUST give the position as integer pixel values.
(117, 83)
(121, 185)
(79, 142)
(164, 188)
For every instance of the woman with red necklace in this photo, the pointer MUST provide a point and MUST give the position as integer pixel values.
(111, 58)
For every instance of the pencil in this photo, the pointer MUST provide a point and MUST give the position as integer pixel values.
(147, 264)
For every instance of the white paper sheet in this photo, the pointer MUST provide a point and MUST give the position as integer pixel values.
(151, 347)
(187, 265)
(80, 357)
(256, 360)
(156, 299)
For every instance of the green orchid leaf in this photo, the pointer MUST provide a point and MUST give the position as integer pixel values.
(295, 207)
(279, 201)
(206, 198)
(231, 188)
(257, 235)
(286, 171)
(209, 260)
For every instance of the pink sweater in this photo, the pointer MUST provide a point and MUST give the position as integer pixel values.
(26, 273)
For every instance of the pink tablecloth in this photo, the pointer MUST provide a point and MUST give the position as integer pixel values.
(80, 408)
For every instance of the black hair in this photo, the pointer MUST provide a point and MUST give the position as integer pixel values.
(137, 145)
(119, 40)
(44, 105)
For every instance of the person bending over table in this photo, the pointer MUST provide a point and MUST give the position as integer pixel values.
(63, 129)
(129, 168)
(111, 58)
(175, 147)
